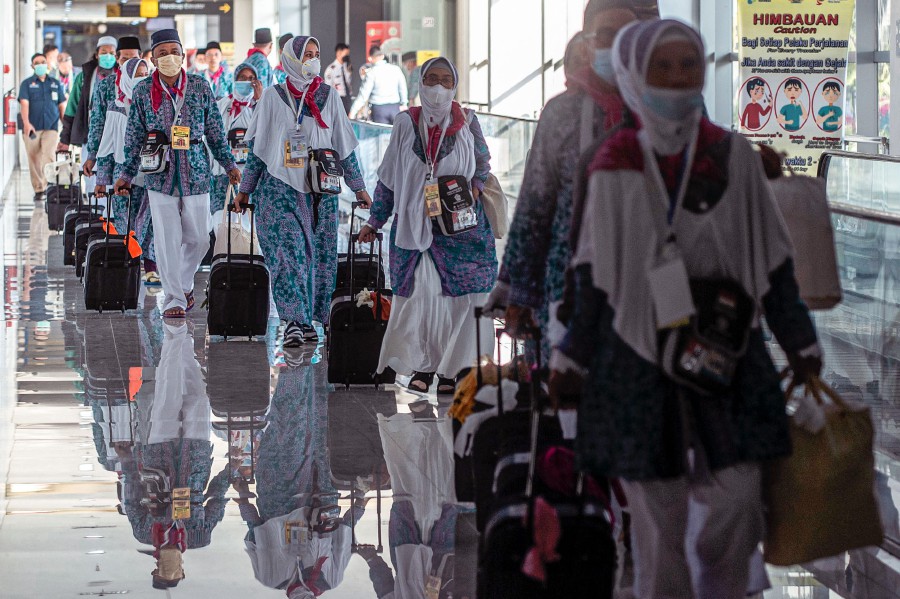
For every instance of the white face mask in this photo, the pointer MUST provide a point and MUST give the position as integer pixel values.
(170, 64)
(311, 68)
(438, 95)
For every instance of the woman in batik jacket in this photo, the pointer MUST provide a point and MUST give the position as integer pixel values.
(298, 230)
(438, 279)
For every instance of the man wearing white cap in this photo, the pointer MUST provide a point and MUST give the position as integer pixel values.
(170, 115)
(78, 110)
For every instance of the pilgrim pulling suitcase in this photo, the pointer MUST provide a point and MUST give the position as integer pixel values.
(112, 270)
(356, 333)
(238, 290)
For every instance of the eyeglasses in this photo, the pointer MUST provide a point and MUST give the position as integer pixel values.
(447, 80)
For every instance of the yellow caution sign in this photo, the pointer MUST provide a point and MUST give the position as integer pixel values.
(149, 9)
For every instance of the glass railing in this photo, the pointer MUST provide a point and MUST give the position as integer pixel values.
(509, 140)
(861, 336)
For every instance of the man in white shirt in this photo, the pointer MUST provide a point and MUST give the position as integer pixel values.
(384, 90)
(339, 75)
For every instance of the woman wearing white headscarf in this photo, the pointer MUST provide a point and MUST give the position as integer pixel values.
(237, 111)
(438, 279)
(298, 235)
(111, 152)
(675, 207)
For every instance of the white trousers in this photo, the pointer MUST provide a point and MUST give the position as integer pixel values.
(180, 403)
(181, 235)
(696, 539)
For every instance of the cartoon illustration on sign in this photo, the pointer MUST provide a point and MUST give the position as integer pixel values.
(760, 104)
(793, 114)
(830, 117)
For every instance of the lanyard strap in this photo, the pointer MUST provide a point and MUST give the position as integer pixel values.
(299, 110)
(431, 161)
(178, 104)
(660, 198)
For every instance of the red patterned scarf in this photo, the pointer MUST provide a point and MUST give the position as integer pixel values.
(159, 89)
(310, 99)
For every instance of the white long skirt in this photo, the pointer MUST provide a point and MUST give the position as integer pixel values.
(431, 332)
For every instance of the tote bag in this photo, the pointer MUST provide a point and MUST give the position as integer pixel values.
(804, 206)
(821, 500)
(240, 237)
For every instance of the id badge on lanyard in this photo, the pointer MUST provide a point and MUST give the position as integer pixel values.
(668, 277)
(180, 138)
(432, 190)
(296, 148)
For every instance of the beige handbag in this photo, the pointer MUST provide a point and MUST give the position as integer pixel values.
(496, 206)
(240, 236)
(821, 500)
(804, 206)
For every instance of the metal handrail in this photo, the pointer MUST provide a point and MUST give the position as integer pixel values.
(877, 216)
(825, 161)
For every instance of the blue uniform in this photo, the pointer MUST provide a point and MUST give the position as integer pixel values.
(44, 98)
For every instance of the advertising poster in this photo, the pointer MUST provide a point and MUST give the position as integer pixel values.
(793, 72)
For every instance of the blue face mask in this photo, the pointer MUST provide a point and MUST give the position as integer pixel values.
(603, 65)
(243, 89)
(40, 70)
(107, 61)
(673, 104)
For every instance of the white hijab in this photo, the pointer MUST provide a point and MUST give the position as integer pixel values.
(127, 80)
(292, 61)
(437, 113)
(113, 140)
(632, 51)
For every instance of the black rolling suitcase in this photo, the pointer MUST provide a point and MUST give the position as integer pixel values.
(87, 230)
(238, 292)
(587, 564)
(367, 272)
(355, 334)
(75, 215)
(112, 276)
(60, 198)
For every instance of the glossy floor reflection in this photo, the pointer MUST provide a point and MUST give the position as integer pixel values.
(287, 481)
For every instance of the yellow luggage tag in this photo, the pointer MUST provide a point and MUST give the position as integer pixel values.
(181, 137)
(432, 198)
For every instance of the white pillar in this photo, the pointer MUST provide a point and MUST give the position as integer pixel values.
(894, 133)
(243, 34)
(27, 31)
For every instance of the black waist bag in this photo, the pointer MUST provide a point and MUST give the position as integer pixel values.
(704, 354)
(153, 153)
(240, 149)
(324, 172)
(458, 213)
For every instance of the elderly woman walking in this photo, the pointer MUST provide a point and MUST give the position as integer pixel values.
(300, 247)
(439, 276)
(681, 226)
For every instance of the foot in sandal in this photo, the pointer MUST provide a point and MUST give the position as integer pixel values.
(421, 382)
